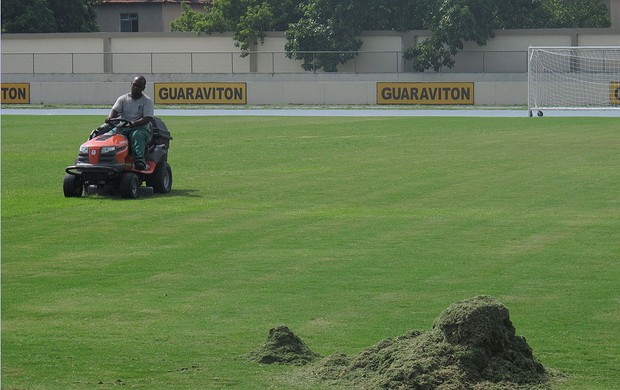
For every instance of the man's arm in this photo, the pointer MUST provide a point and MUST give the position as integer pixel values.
(113, 114)
(140, 122)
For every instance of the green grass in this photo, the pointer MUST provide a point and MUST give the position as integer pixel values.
(348, 230)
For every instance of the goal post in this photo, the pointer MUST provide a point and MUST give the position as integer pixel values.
(573, 78)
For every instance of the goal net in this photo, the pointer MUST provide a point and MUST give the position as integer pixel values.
(573, 77)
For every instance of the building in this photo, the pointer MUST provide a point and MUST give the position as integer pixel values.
(141, 15)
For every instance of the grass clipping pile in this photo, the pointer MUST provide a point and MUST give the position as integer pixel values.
(472, 345)
(284, 347)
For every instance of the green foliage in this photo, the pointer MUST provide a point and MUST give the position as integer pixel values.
(27, 16)
(455, 21)
(74, 15)
(189, 20)
(253, 24)
(48, 16)
(576, 13)
(326, 25)
(315, 27)
(521, 14)
(397, 15)
(247, 19)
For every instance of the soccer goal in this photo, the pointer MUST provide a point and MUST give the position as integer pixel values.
(573, 77)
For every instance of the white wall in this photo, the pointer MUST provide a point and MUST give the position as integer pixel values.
(320, 91)
(96, 68)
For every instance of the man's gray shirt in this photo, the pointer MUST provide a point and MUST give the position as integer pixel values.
(132, 110)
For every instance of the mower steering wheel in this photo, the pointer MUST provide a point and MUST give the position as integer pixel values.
(118, 122)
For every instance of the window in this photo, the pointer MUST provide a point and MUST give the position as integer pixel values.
(129, 22)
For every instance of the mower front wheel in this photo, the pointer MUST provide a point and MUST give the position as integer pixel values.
(72, 186)
(129, 185)
(161, 178)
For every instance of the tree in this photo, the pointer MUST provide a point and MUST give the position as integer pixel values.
(576, 13)
(189, 20)
(336, 24)
(74, 15)
(325, 33)
(247, 19)
(48, 16)
(326, 26)
(27, 16)
(329, 26)
(454, 22)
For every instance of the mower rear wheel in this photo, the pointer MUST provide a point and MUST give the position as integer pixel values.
(72, 186)
(161, 178)
(129, 186)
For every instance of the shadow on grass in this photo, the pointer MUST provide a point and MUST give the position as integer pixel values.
(185, 193)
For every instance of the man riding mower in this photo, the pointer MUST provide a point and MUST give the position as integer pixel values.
(105, 164)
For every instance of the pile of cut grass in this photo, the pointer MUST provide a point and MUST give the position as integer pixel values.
(472, 345)
(284, 347)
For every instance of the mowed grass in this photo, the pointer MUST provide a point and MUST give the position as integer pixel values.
(348, 230)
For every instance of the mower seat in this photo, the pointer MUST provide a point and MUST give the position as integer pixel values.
(160, 135)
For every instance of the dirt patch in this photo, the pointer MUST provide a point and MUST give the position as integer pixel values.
(284, 347)
(472, 345)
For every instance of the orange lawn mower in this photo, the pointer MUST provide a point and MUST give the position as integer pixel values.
(105, 165)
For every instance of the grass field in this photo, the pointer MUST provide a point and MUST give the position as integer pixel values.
(348, 230)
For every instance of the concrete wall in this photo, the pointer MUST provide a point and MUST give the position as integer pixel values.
(614, 12)
(262, 89)
(96, 68)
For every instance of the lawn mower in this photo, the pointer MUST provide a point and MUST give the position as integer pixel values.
(105, 164)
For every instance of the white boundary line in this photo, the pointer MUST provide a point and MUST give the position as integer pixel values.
(497, 113)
